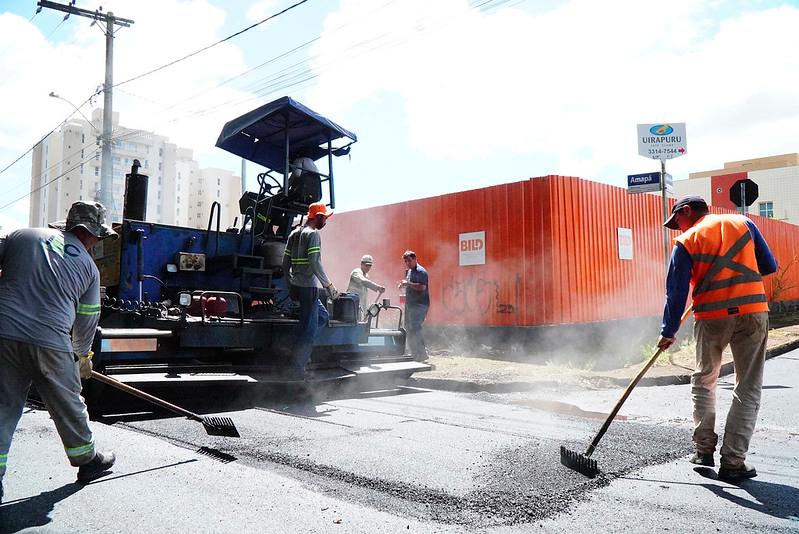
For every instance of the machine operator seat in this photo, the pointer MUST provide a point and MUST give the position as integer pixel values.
(305, 184)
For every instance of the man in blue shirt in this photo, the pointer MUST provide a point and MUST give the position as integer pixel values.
(417, 302)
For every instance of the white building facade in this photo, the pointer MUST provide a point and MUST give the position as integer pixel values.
(777, 178)
(66, 167)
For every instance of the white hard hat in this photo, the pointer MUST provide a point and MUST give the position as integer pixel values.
(367, 259)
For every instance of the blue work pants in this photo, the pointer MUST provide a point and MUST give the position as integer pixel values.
(415, 315)
(313, 316)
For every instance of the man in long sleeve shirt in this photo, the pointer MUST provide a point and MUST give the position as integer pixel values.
(724, 257)
(302, 264)
(360, 284)
(49, 310)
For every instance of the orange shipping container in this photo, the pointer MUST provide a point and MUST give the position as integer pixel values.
(552, 248)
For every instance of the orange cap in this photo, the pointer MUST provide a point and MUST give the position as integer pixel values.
(319, 208)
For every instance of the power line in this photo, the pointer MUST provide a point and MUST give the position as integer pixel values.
(122, 137)
(48, 133)
(291, 76)
(229, 37)
(150, 72)
(299, 73)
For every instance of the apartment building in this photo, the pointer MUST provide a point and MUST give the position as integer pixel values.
(66, 167)
(776, 177)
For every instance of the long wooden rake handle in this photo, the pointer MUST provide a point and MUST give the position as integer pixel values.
(627, 392)
(145, 396)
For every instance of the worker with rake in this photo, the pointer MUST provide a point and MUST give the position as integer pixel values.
(49, 309)
(724, 258)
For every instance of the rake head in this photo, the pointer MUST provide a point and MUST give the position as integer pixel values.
(220, 426)
(579, 462)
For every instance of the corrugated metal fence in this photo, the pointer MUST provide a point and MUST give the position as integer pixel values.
(551, 252)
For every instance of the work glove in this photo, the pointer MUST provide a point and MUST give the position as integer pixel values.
(332, 291)
(85, 365)
(381, 290)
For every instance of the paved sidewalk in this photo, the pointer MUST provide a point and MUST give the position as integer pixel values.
(455, 372)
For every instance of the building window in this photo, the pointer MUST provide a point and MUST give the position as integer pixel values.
(766, 209)
(159, 180)
(178, 199)
(97, 171)
(97, 155)
(218, 181)
(217, 193)
(159, 198)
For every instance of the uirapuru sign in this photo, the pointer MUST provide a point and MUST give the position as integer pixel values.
(662, 141)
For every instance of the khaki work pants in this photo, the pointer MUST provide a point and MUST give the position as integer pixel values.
(746, 335)
(57, 379)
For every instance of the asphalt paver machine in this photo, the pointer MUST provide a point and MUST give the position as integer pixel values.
(187, 305)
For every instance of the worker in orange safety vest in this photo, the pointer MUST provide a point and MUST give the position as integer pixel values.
(724, 258)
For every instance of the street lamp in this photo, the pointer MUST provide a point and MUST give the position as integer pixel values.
(54, 95)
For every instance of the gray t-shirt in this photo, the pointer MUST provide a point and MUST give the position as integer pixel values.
(303, 258)
(49, 286)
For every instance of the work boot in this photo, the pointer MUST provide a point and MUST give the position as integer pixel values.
(98, 467)
(703, 458)
(737, 473)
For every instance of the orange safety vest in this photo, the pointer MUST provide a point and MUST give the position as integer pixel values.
(724, 275)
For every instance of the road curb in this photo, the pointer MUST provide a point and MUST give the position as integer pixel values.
(471, 386)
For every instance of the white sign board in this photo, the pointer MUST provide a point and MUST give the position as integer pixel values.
(472, 248)
(625, 243)
(662, 141)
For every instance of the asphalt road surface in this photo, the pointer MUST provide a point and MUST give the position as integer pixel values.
(409, 459)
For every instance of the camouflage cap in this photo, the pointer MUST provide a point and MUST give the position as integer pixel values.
(89, 215)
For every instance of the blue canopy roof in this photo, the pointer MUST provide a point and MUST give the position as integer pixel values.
(259, 136)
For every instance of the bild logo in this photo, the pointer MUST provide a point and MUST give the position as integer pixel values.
(661, 129)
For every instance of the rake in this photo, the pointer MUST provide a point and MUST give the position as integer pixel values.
(214, 426)
(583, 463)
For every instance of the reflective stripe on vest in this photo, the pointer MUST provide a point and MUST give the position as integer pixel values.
(716, 297)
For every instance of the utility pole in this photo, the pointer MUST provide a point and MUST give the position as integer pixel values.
(106, 171)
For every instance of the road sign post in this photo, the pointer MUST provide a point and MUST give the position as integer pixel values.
(663, 141)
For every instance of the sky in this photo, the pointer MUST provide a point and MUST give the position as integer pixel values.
(444, 95)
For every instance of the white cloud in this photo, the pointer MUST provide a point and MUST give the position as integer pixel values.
(572, 81)
(260, 10)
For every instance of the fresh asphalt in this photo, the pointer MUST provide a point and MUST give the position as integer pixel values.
(406, 458)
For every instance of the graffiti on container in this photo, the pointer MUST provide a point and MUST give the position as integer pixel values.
(477, 295)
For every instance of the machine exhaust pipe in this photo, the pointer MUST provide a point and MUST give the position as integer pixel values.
(135, 194)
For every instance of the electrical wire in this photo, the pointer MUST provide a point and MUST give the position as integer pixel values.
(229, 37)
(301, 73)
(121, 137)
(282, 79)
(151, 71)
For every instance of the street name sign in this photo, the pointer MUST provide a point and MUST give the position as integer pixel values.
(662, 141)
(646, 182)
